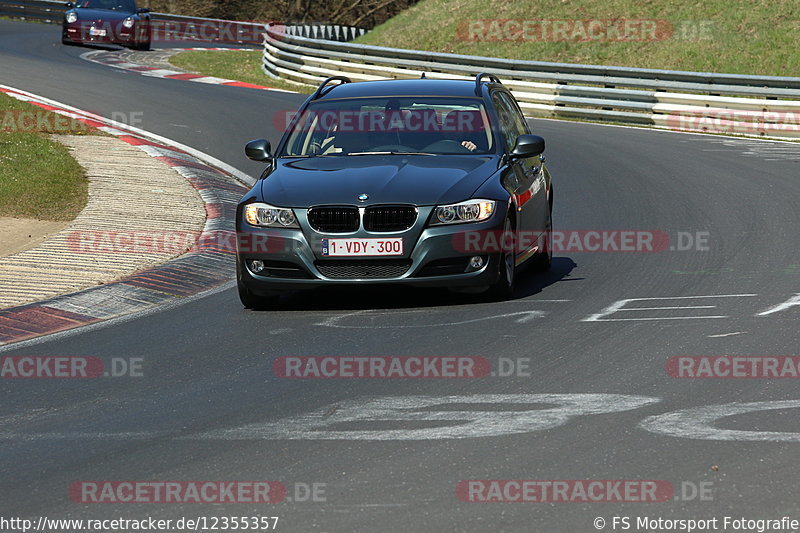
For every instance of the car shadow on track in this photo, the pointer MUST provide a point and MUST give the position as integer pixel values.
(397, 297)
(530, 283)
(96, 46)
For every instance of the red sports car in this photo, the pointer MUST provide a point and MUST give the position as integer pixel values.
(107, 22)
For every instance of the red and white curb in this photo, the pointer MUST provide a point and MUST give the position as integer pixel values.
(110, 58)
(208, 266)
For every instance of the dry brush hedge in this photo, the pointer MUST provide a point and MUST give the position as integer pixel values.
(360, 13)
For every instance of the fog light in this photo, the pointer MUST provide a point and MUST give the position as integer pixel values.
(476, 262)
(256, 265)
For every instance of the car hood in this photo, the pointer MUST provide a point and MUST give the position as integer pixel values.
(419, 180)
(88, 15)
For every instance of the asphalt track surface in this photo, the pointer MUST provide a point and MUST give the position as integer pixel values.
(208, 362)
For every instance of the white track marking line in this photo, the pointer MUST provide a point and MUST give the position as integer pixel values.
(531, 416)
(698, 422)
(620, 304)
(22, 436)
(333, 322)
(719, 335)
(656, 318)
(670, 307)
(791, 302)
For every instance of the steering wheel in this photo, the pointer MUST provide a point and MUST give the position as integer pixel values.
(315, 147)
(447, 146)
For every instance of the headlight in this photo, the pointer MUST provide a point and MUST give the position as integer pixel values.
(128, 23)
(267, 216)
(72, 17)
(469, 211)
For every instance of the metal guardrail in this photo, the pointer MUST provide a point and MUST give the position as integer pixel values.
(41, 10)
(767, 106)
(171, 27)
(185, 28)
(688, 101)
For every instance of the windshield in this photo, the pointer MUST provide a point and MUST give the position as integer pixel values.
(391, 125)
(128, 6)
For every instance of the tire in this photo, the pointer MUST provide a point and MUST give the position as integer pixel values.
(503, 288)
(143, 46)
(251, 300)
(542, 261)
(255, 301)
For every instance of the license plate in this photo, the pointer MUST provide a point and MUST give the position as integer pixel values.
(97, 33)
(361, 247)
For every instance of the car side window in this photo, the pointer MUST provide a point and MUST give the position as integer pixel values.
(520, 125)
(507, 127)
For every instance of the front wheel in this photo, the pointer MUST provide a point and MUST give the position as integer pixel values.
(503, 288)
(256, 302)
(543, 259)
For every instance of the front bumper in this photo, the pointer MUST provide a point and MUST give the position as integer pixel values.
(294, 257)
(81, 32)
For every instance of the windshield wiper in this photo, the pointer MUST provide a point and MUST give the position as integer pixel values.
(389, 153)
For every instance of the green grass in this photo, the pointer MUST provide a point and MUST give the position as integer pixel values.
(233, 65)
(38, 177)
(733, 36)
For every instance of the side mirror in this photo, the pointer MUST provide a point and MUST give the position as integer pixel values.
(528, 146)
(143, 10)
(258, 150)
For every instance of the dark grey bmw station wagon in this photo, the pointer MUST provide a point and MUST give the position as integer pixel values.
(420, 182)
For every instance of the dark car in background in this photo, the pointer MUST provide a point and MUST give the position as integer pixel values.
(118, 22)
(432, 183)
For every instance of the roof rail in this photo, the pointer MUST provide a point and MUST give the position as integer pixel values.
(480, 77)
(318, 92)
